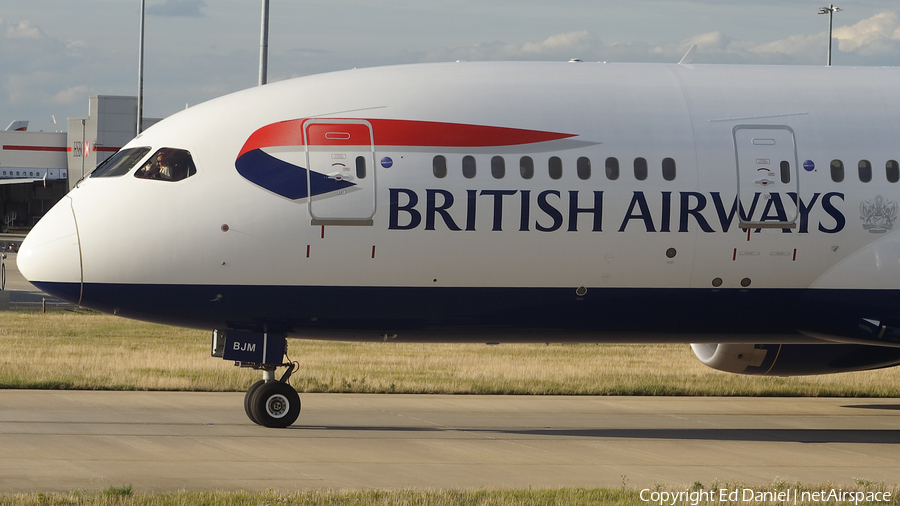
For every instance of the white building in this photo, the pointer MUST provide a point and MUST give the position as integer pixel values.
(38, 168)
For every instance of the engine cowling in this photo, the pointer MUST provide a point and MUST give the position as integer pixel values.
(795, 359)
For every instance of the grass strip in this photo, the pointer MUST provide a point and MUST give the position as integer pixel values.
(90, 351)
(861, 492)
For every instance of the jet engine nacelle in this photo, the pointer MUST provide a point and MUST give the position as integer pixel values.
(795, 359)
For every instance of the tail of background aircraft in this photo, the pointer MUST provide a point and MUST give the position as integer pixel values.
(18, 125)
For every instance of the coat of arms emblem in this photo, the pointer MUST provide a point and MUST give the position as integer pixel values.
(879, 215)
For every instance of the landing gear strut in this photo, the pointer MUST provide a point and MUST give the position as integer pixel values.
(268, 402)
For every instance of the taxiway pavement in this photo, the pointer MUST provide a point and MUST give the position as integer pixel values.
(164, 441)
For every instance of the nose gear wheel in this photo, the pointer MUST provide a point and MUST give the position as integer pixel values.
(272, 404)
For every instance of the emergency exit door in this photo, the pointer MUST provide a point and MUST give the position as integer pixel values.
(340, 156)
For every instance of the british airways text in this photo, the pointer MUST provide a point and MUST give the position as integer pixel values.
(552, 210)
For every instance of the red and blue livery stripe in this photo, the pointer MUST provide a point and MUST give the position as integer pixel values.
(290, 181)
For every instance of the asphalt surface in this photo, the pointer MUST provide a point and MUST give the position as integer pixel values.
(164, 441)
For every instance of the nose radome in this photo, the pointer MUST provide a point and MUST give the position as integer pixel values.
(50, 256)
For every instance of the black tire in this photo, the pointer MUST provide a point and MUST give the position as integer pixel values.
(275, 405)
(248, 400)
(2, 276)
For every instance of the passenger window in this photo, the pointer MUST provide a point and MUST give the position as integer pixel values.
(498, 167)
(640, 169)
(837, 171)
(668, 169)
(612, 168)
(168, 164)
(785, 171)
(892, 171)
(526, 167)
(555, 167)
(468, 166)
(120, 163)
(439, 167)
(583, 168)
(361, 167)
(865, 171)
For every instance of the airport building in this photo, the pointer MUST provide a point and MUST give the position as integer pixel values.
(33, 173)
(39, 168)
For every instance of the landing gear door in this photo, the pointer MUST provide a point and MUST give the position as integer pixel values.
(340, 156)
(767, 171)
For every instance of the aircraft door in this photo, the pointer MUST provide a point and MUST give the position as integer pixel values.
(340, 155)
(767, 170)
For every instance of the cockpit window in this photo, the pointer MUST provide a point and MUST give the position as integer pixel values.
(120, 163)
(168, 164)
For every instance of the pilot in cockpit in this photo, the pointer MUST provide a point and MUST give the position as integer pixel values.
(168, 164)
(150, 170)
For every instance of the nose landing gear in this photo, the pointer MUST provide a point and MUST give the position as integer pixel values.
(268, 402)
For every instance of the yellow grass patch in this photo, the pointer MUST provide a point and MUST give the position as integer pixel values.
(807, 495)
(92, 351)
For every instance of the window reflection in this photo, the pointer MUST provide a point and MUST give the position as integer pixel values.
(120, 163)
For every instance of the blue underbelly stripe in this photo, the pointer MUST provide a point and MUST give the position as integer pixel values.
(495, 310)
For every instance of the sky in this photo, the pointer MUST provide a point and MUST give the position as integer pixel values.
(55, 54)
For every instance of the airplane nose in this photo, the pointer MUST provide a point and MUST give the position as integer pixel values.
(50, 256)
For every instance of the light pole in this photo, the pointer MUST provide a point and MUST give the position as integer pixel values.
(830, 10)
(264, 43)
(140, 100)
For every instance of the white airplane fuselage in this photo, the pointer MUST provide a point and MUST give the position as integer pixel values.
(546, 202)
